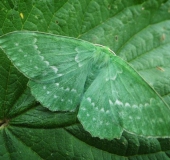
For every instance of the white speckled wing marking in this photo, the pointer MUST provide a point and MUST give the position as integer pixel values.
(113, 103)
(57, 66)
(65, 73)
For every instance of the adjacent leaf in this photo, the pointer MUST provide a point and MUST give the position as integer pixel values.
(128, 147)
(66, 72)
(12, 87)
(41, 134)
(73, 142)
(147, 50)
(15, 99)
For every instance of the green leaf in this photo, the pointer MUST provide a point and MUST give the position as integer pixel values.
(60, 67)
(112, 23)
(12, 87)
(15, 99)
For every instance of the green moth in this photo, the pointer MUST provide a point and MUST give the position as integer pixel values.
(66, 74)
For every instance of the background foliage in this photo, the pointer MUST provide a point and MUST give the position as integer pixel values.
(136, 30)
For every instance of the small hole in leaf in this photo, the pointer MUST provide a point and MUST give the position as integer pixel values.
(160, 68)
(116, 37)
(163, 37)
(109, 7)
